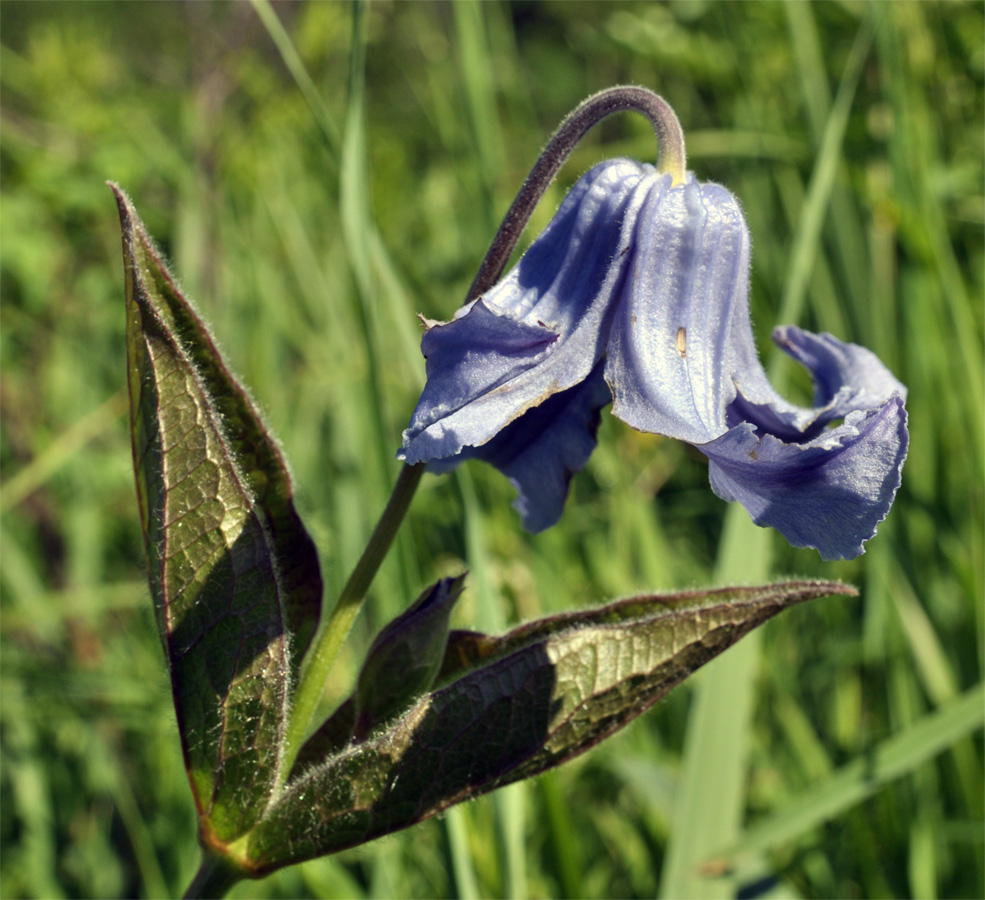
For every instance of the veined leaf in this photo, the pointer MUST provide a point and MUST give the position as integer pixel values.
(509, 708)
(233, 574)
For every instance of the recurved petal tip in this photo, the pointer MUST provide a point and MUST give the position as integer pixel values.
(829, 493)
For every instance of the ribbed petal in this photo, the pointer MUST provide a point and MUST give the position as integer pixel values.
(829, 493)
(539, 331)
(673, 345)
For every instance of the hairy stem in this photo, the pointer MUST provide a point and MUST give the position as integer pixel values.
(671, 159)
(214, 878)
(329, 641)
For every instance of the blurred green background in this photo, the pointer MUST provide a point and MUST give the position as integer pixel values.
(312, 199)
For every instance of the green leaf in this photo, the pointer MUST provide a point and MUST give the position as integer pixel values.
(509, 708)
(233, 574)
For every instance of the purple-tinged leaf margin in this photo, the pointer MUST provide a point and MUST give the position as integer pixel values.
(233, 573)
(507, 708)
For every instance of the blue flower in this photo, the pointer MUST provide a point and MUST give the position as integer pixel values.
(636, 294)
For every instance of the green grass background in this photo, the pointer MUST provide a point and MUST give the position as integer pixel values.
(314, 187)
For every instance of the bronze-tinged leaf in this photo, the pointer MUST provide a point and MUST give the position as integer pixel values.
(234, 575)
(509, 708)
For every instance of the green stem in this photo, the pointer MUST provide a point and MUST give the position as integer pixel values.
(326, 648)
(214, 877)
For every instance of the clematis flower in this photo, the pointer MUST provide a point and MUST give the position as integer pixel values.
(637, 293)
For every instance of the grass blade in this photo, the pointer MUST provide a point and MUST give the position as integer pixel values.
(295, 65)
(853, 783)
(711, 794)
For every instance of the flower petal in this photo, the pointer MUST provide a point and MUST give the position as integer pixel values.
(541, 451)
(469, 358)
(540, 330)
(829, 493)
(846, 378)
(672, 348)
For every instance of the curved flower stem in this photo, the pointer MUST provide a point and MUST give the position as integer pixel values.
(331, 637)
(671, 159)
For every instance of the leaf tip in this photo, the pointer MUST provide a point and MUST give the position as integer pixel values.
(129, 222)
(122, 198)
(833, 588)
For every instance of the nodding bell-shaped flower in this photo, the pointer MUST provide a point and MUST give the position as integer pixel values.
(636, 293)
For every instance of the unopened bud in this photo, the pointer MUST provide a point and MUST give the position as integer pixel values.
(405, 658)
